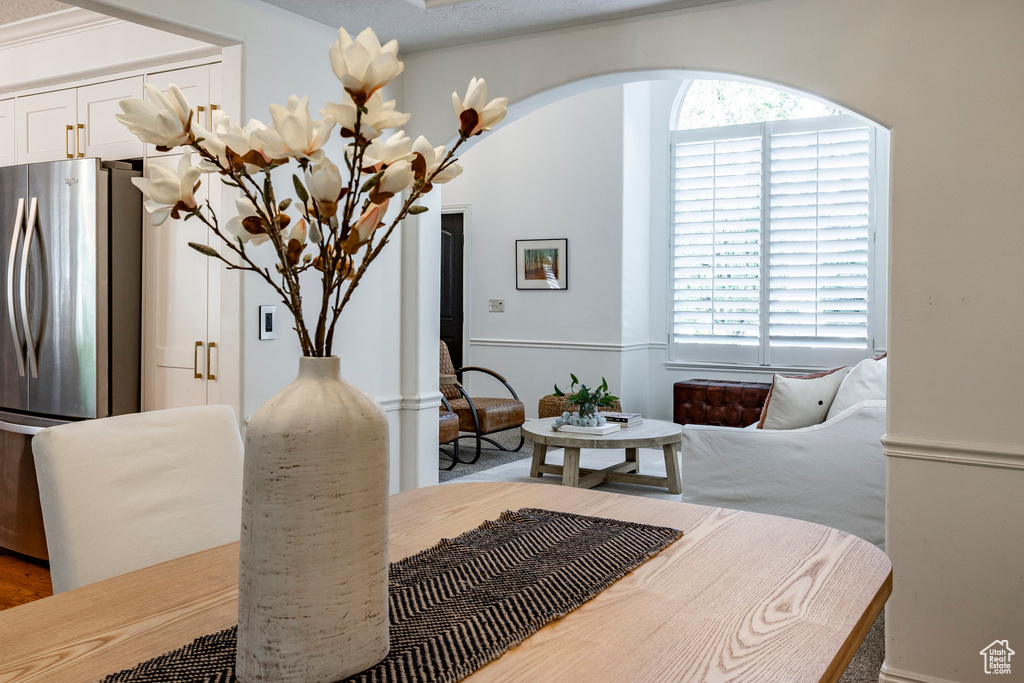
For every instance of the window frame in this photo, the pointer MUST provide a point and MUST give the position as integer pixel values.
(781, 358)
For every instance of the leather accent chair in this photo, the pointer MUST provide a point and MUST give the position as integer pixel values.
(448, 432)
(480, 415)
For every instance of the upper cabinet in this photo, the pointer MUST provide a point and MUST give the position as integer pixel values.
(76, 123)
(45, 126)
(99, 134)
(6, 132)
(199, 88)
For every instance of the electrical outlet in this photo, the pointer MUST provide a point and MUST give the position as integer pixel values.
(496, 305)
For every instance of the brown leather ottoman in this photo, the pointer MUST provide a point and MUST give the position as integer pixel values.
(718, 402)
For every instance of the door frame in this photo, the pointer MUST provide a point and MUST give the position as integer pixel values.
(467, 266)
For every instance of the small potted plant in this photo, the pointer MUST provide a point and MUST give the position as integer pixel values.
(587, 401)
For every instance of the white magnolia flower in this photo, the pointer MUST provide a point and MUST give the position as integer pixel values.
(362, 65)
(323, 181)
(295, 241)
(432, 158)
(161, 120)
(227, 134)
(247, 226)
(475, 113)
(380, 155)
(397, 177)
(295, 133)
(379, 116)
(364, 228)
(169, 191)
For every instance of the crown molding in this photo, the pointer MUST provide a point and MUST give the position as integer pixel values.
(52, 26)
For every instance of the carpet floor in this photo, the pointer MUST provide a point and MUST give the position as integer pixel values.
(497, 465)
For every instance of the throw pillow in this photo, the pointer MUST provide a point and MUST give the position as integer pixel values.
(865, 382)
(795, 402)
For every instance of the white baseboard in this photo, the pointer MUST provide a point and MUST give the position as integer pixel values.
(888, 675)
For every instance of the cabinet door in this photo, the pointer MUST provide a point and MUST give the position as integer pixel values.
(45, 126)
(195, 85)
(177, 289)
(7, 132)
(98, 133)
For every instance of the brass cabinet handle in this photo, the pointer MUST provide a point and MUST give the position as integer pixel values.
(67, 145)
(195, 360)
(213, 108)
(209, 347)
(78, 150)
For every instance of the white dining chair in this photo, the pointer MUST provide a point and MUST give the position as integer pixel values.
(127, 492)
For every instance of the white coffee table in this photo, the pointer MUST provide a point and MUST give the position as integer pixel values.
(649, 434)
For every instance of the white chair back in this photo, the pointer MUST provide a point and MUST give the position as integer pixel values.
(127, 492)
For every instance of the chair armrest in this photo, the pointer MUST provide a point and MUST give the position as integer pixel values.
(492, 373)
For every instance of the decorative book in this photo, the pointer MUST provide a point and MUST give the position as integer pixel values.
(623, 418)
(600, 431)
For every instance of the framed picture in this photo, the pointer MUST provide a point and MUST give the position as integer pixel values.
(542, 264)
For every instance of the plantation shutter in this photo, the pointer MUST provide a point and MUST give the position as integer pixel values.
(716, 243)
(819, 234)
(771, 242)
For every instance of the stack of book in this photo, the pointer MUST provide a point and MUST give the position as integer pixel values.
(624, 419)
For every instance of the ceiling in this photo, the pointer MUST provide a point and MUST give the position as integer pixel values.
(16, 10)
(420, 29)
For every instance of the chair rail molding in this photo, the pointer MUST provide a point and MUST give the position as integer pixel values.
(427, 401)
(567, 345)
(958, 453)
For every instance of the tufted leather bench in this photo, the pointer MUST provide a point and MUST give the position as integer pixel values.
(718, 402)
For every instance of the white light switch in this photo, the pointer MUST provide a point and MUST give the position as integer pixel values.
(496, 305)
(268, 322)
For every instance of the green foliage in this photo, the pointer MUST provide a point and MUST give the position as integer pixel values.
(588, 400)
(725, 103)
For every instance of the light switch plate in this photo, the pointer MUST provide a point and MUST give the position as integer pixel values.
(268, 322)
(496, 305)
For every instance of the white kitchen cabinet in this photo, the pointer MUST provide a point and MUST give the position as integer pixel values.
(194, 83)
(181, 308)
(98, 133)
(7, 132)
(45, 126)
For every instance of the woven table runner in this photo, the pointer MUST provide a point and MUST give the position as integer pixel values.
(464, 602)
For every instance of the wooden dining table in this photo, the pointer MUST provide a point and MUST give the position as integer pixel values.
(740, 597)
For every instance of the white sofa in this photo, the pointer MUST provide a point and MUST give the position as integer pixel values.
(831, 473)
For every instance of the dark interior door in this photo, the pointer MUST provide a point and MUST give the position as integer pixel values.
(451, 284)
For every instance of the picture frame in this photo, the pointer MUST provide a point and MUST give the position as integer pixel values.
(542, 264)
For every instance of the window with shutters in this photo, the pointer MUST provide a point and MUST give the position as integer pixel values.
(774, 232)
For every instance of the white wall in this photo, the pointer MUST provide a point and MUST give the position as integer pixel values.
(524, 182)
(944, 76)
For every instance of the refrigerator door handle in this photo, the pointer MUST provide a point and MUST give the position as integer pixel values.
(30, 344)
(19, 429)
(12, 316)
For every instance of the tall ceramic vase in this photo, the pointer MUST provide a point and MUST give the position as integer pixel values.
(313, 576)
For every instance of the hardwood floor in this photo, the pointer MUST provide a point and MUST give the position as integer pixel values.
(22, 580)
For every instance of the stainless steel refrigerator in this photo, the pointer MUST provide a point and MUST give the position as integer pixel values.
(70, 294)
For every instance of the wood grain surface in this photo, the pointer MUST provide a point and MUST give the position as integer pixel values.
(741, 597)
